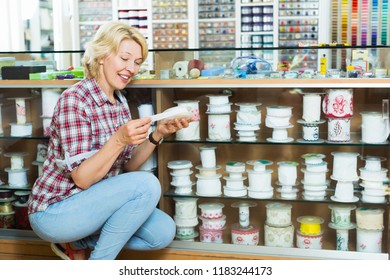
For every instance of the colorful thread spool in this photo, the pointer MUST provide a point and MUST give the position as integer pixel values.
(310, 224)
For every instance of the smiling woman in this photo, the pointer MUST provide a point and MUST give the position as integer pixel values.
(90, 195)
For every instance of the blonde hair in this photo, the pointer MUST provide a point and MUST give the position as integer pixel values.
(106, 42)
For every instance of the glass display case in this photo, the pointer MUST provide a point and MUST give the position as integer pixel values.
(278, 162)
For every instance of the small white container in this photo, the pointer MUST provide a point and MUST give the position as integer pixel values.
(339, 129)
(341, 215)
(314, 178)
(235, 167)
(260, 194)
(248, 106)
(313, 158)
(279, 134)
(211, 210)
(338, 103)
(219, 108)
(17, 178)
(279, 111)
(273, 121)
(180, 167)
(279, 236)
(192, 132)
(373, 198)
(210, 235)
(369, 241)
(278, 214)
(181, 180)
(311, 107)
(219, 127)
(185, 231)
(183, 189)
(246, 127)
(287, 173)
(208, 186)
(260, 180)
(259, 164)
(373, 163)
(345, 166)
(370, 218)
(308, 241)
(376, 176)
(320, 167)
(185, 207)
(208, 156)
(234, 183)
(218, 99)
(235, 192)
(253, 118)
(344, 191)
(213, 224)
(245, 236)
(207, 171)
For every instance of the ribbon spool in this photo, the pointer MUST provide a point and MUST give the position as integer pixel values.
(6, 207)
(17, 178)
(310, 224)
(181, 69)
(17, 161)
(195, 66)
(50, 97)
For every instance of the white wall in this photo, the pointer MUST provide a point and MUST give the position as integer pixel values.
(12, 34)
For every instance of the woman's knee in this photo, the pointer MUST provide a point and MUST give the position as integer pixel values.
(168, 231)
(147, 184)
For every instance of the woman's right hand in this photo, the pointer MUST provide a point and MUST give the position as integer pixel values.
(134, 132)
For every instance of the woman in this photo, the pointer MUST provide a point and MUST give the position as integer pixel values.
(90, 194)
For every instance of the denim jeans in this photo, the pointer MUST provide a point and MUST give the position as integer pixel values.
(116, 213)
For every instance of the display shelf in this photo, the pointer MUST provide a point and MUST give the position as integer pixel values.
(18, 234)
(367, 94)
(330, 191)
(261, 140)
(280, 253)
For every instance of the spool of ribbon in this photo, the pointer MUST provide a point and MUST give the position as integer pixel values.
(195, 66)
(6, 207)
(310, 224)
(181, 69)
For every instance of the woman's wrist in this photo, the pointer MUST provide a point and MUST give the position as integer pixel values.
(155, 139)
(120, 142)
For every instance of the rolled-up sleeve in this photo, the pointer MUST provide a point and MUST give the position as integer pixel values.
(74, 127)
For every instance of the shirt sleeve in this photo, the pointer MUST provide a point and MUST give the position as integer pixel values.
(73, 127)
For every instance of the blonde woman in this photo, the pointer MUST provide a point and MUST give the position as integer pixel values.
(90, 201)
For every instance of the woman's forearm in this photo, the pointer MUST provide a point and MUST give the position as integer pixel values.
(97, 166)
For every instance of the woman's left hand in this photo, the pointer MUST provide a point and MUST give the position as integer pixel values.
(164, 129)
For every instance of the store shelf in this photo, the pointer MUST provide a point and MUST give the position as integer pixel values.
(217, 83)
(276, 252)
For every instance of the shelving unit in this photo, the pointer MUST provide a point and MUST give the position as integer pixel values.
(368, 93)
(267, 92)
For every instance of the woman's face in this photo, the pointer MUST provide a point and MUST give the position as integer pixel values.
(117, 69)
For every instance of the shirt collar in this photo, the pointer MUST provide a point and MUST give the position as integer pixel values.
(99, 96)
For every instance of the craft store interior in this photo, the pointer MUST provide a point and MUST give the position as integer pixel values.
(288, 155)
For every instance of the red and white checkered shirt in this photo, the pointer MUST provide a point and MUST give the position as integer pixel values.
(83, 120)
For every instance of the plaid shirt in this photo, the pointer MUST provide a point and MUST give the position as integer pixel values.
(83, 120)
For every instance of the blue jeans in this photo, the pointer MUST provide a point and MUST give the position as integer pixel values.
(116, 213)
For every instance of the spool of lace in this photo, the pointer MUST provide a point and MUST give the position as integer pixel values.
(21, 127)
(50, 97)
(17, 178)
(20, 110)
(17, 161)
